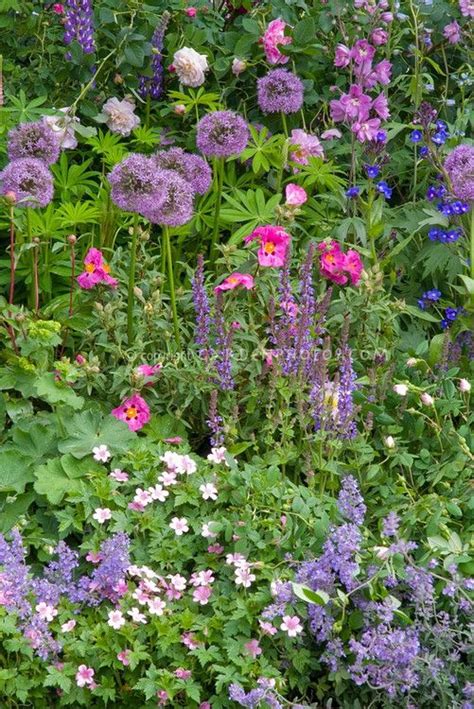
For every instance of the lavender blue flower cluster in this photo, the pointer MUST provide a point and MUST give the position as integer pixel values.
(152, 86)
(79, 24)
(34, 599)
(411, 640)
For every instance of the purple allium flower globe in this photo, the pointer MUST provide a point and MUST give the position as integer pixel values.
(280, 91)
(460, 167)
(177, 206)
(30, 180)
(221, 134)
(34, 140)
(136, 184)
(192, 168)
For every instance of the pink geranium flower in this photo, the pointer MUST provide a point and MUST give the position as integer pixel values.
(183, 674)
(275, 35)
(96, 271)
(179, 525)
(291, 625)
(102, 514)
(124, 657)
(134, 412)
(84, 676)
(274, 244)
(202, 595)
(253, 648)
(233, 281)
(304, 147)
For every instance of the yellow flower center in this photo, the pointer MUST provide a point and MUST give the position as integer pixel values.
(233, 279)
(269, 247)
(90, 268)
(106, 267)
(131, 412)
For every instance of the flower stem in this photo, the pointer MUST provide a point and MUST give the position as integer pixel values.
(472, 253)
(12, 255)
(131, 280)
(285, 125)
(167, 249)
(218, 180)
(29, 239)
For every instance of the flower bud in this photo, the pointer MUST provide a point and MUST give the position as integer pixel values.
(389, 442)
(412, 362)
(238, 66)
(426, 399)
(180, 109)
(10, 196)
(464, 385)
(72, 238)
(400, 389)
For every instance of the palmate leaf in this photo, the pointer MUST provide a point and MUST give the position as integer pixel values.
(249, 209)
(73, 214)
(74, 179)
(321, 174)
(91, 428)
(62, 476)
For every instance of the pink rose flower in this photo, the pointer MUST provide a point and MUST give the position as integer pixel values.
(191, 11)
(58, 8)
(295, 195)
(275, 35)
(134, 412)
(304, 146)
(274, 244)
(233, 281)
(96, 271)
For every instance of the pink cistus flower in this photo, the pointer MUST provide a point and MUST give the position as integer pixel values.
(339, 267)
(134, 412)
(148, 372)
(234, 280)
(274, 36)
(96, 271)
(295, 195)
(274, 244)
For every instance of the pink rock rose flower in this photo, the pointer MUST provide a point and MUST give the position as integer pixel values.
(233, 281)
(96, 271)
(274, 244)
(134, 412)
(274, 36)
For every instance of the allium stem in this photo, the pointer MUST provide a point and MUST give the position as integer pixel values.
(35, 275)
(169, 258)
(12, 254)
(472, 252)
(131, 280)
(29, 240)
(285, 126)
(218, 181)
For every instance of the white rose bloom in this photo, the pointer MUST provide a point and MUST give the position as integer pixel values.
(120, 115)
(400, 389)
(63, 126)
(190, 66)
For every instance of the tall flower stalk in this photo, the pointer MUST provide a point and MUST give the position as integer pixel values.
(170, 272)
(131, 280)
(218, 183)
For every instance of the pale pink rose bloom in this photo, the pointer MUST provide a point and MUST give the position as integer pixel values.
(238, 66)
(304, 146)
(121, 118)
(295, 195)
(190, 66)
(63, 126)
